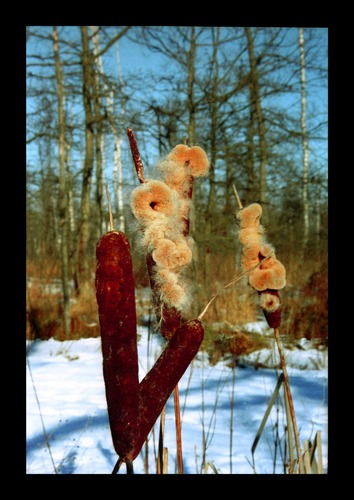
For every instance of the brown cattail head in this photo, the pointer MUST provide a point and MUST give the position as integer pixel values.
(271, 306)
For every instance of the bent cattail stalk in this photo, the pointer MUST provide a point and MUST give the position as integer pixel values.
(133, 408)
(158, 384)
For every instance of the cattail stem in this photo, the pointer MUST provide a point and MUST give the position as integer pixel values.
(117, 466)
(290, 401)
(178, 430)
(129, 466)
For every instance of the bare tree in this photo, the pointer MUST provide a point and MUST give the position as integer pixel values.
(190, 86)
(99, 136)
(258, 112)
(117, 157)
(87, 86)
(63, 193)
(92, 116)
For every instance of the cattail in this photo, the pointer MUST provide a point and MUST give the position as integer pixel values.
(117, 317)
(133, 407)
(162, 209)
(158, 384)
(153, 200)
(269, 276)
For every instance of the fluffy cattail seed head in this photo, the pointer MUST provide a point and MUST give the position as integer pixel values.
(250, 216)
(152, 200)
(194, 158)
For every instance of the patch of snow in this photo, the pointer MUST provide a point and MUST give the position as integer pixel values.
(309, 359)
(221, 410)
(260, 327)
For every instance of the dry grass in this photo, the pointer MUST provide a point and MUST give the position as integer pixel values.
(44, 311)
(305, 312)
(236, 304)
(304, 302)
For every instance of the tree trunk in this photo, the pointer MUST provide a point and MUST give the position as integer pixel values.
(84, 233)
(97, 68)
(63, 198)
(228, 205)
(305, 146)
(118, 166)
(214, 119)
(250, 191)
(256, 104)
(213, 103)
(190, 89)
(317, 223)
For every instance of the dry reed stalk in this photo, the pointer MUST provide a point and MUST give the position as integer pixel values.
(160, 467)
(178, 430)
(290, 400)
(237, 197)
(232, 282)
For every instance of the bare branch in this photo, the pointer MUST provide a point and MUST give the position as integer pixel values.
(112, 42)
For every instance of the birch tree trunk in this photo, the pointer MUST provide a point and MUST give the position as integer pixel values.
(97, 68)
(117, 164)
(305, 145)
(256, 105)
(117, 161)
(63, 198)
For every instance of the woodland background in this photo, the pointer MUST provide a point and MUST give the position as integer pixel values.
(255, 99)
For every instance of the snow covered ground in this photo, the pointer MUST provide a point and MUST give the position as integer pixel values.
(67, 423)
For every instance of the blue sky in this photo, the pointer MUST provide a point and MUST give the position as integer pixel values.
(136, 58)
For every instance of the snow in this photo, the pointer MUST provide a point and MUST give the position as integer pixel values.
(222, 409)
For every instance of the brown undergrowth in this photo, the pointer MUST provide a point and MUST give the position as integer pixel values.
(44, 310)
(224, 339)
(305, 303)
